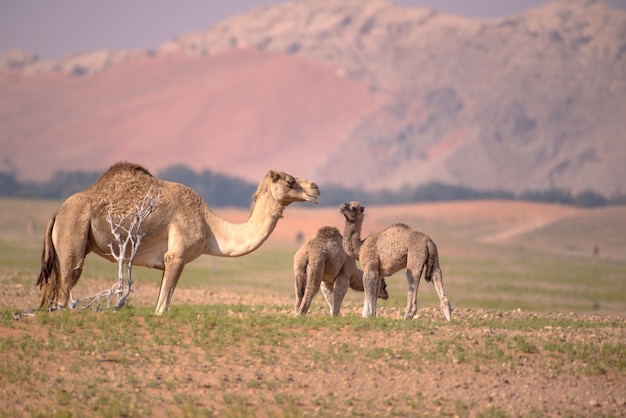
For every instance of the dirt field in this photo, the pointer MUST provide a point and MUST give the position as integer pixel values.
(238, 350)
(483, 363)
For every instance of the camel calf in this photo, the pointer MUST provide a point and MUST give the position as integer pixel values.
(321, 261)
(389, 251)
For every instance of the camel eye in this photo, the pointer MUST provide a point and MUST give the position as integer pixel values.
(290, 182)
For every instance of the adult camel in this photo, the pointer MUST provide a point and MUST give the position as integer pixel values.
(180, 229)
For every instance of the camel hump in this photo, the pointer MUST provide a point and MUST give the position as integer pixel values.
(400, 226)
(123, 184)
(123, 175)
(397, 228)
(123, 166)
(328, 232)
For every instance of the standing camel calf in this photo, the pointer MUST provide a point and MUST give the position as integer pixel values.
(321, 261)
(389, 251)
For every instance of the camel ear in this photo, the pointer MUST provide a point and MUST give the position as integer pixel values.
(274, 175)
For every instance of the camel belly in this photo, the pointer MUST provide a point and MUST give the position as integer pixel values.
(154, 261)
(330, 273)
(390, 266)
(145, 257)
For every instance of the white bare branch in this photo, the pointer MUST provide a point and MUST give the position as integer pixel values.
(127, 233)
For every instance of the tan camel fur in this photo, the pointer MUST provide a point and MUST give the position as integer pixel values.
(321, 261)
(181, 228)
(384, 253)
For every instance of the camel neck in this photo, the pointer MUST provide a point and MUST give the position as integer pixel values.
(236, 239)
(352, 238)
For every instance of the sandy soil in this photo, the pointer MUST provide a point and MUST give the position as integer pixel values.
(398, 374)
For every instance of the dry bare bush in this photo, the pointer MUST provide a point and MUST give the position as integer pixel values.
(126, 228)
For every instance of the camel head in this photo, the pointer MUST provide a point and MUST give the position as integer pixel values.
(382, 292)
(286, 189)
(352, 210)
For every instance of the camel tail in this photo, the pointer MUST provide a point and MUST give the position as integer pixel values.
(49, 265)
(433, 258)
(433, 274)
(300, 275)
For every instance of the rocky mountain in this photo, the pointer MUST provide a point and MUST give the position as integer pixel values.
(355, 93)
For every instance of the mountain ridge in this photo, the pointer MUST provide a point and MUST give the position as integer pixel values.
(527, 101)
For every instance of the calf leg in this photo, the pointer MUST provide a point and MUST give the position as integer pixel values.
(339, 292)
(443, 300)
(371, 284)
(413, 278)
(300, 285)
(327, 291)
(314, 274)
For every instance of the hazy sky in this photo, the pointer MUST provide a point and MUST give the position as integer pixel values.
(56, 28)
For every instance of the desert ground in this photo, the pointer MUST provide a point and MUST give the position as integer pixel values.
(538, 325)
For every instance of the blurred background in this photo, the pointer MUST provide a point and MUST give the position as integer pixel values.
(73, 26)
(510, 96)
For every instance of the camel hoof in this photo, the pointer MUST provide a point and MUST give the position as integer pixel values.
(410, 313)
(447, 311)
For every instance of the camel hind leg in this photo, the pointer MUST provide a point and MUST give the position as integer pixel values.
(336, 292)
(340, 288)
(413, 278)
(66, 247)
(314, 274)
(70, 268)
(433, 273)
(49, 274)
(299, 271)
(327, 291)
(416, 266)
(437, 278)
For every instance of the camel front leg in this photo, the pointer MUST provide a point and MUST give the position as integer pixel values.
(371, 284)
(171, 273)
(411, 298)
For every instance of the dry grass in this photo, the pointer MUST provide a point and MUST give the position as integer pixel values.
(494, 254)
(537, 329)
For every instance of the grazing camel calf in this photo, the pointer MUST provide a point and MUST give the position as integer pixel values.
(321, 261)
(389, 251)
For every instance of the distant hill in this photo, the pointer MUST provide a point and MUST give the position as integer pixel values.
(355, 93)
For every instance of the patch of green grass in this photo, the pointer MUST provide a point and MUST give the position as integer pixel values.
(522, 345)
(492, 413)
(536, 281)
